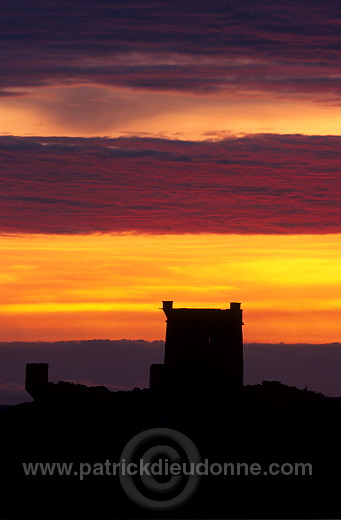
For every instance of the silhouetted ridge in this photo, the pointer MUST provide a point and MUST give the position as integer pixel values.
(198, 392)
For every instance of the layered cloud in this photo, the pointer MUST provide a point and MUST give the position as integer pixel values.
(290, 48)
(253, 184)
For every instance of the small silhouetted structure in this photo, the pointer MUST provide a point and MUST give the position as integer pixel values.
(40, 388)
(203, 350)
(37, 377)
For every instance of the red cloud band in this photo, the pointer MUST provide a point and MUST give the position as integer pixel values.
(254, 184)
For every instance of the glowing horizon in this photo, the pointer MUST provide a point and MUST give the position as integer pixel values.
(111, 286)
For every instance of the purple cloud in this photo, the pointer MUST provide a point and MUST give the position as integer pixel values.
(255, 184)
(195, 46)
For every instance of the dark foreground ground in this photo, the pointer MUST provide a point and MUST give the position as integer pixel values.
(265, 424)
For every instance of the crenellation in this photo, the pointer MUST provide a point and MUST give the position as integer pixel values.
(203, 348)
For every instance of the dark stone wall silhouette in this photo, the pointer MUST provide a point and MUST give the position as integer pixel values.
(203, 350)
(40, 388)
(37, 376)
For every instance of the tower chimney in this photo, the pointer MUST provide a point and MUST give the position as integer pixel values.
(167, 306)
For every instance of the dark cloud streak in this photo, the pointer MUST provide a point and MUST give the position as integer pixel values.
(193, 46)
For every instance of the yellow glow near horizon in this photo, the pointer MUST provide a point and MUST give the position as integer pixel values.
(92, 110)
(111, 286)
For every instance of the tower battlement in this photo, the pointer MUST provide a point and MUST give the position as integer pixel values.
(203, 349)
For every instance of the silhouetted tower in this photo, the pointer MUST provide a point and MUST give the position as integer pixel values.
(37, 376)
(203, 349)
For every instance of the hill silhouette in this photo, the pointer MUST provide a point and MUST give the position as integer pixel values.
(266, 423)
(239, 428)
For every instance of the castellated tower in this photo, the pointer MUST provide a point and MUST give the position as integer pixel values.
(203, 350)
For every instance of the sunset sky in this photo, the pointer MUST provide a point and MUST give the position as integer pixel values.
(169, 150)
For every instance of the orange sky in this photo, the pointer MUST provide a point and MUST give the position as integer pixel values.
(189, 71)
(111, 286)
(92, 111)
